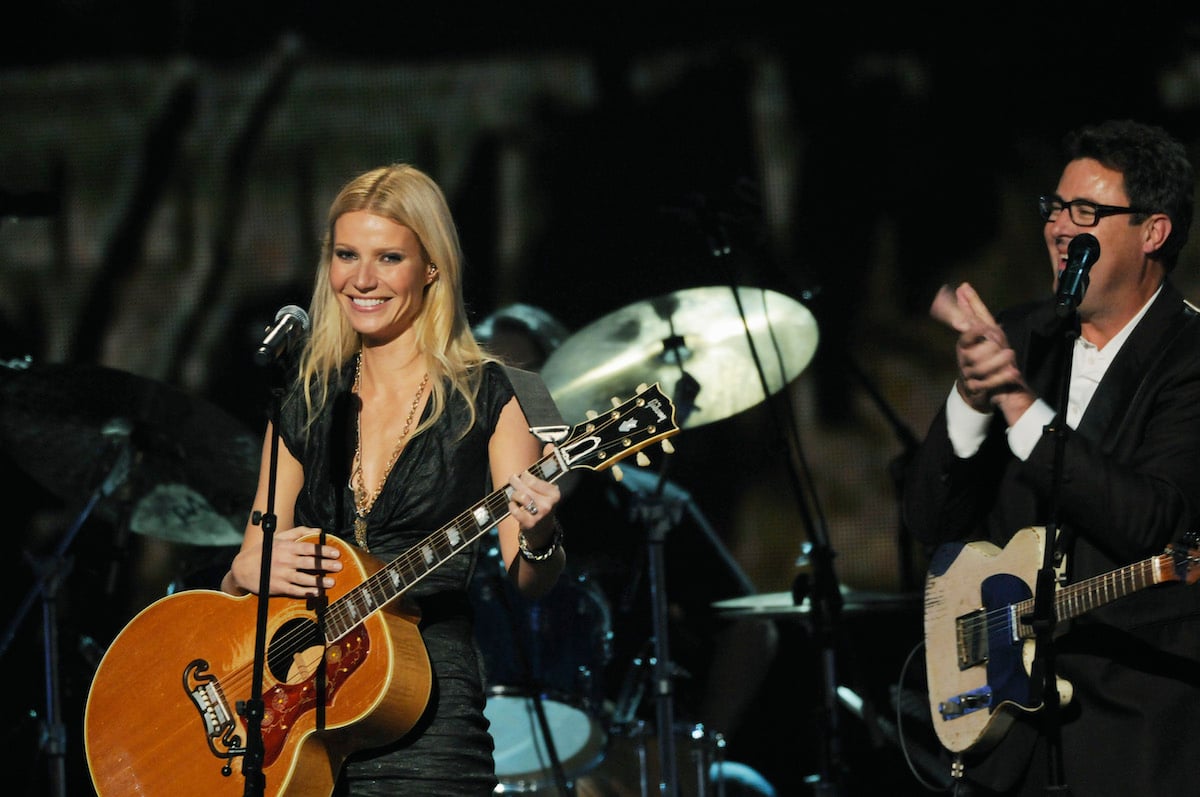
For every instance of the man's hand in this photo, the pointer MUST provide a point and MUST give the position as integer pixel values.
(987, 366)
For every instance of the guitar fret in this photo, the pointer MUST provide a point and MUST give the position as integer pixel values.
(1077, 599)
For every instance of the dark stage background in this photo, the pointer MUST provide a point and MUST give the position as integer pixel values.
(164, 170)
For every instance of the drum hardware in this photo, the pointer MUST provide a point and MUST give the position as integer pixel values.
(50, 575)
(125, 445)
(193, 466)
(701, 340)
(633, 768)
(544, 661)
(702, 753)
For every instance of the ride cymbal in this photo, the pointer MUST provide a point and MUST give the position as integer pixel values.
(695, 343)
(192, 469)
(782, 604)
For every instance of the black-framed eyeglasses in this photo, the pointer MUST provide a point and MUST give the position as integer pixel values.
(1083, 212)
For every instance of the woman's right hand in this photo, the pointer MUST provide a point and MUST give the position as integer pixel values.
(296, 567)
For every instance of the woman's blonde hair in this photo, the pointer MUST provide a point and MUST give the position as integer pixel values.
(407, 196)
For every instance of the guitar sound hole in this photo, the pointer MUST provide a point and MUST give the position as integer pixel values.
(288, 645)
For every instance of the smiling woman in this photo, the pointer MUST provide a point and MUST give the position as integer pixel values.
(395, 425)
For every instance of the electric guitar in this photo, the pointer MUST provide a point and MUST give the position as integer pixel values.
(978, 646)
(163, 712)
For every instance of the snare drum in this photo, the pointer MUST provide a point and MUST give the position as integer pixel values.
(548, 654)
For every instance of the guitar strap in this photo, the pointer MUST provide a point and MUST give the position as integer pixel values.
(534, 397)
(540, 410)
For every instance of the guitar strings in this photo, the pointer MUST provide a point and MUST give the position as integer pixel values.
(238, 680)
(1133, 577)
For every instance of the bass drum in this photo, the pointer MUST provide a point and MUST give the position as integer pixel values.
(545, 663)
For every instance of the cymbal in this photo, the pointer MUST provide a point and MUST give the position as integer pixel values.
(177, 513)
(781, 604)
(698, 331)
(192, 469)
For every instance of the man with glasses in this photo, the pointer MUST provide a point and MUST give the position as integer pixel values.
(1112, 462)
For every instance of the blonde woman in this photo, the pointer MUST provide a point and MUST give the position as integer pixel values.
(395, 423)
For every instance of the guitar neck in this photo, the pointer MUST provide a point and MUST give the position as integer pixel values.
(404, 571)
(1076, 599)
(596, 444)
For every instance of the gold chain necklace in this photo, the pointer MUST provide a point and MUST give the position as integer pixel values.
(362, 501)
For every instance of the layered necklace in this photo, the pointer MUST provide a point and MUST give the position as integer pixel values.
(363, 501)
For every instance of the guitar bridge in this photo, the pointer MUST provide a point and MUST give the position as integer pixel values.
(966, 703)
(206, 693)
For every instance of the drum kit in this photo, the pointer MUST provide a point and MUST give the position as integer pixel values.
(718, 351)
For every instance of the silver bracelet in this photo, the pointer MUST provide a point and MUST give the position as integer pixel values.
(542, 554)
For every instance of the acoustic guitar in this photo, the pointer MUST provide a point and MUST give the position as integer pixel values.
(163, 715)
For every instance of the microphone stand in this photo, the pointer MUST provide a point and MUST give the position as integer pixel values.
(252, 708)
(1043, 617)
(51, 573)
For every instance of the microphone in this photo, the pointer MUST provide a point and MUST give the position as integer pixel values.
(1083, 251)
(290, 324)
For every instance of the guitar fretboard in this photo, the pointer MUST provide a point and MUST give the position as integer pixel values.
(1076, 599)
(422, 559)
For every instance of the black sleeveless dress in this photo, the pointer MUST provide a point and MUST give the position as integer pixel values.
(439, 475)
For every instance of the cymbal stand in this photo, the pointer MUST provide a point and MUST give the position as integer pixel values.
(655, 518)
(658, 516)
(51, 573)
(823, 592)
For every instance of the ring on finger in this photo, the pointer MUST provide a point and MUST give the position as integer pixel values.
(531, 507)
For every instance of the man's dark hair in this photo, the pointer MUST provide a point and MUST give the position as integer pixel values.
(1159, 177)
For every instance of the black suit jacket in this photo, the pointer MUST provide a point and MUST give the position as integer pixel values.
(1130, 485)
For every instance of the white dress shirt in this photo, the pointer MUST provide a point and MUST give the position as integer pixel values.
(968, 428)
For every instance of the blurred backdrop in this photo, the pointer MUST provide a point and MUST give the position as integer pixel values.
(164, 171)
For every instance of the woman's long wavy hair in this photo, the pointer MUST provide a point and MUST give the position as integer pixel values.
(407, 196)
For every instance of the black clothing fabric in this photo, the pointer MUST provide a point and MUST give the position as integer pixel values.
(1130, 485)
(439, 474)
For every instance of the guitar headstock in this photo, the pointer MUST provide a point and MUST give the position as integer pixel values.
(606, 438)
(1185, 558)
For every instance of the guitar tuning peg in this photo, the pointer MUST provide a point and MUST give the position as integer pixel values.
(616, 402)
(592, 415)
(617, 473)
(642, 388)
(642, 459)
(667, 447)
